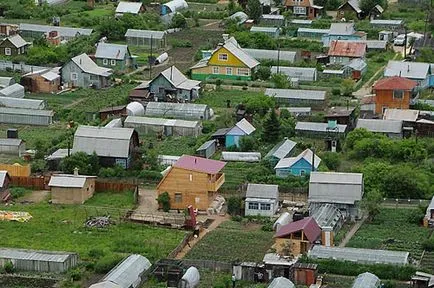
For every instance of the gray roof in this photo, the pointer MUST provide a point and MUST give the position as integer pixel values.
(281, 282)
(262, 54)
(272, 17)
(386, 22)
(281, 149)
(301, 22)
(179, 80)
(161, 122)
(380, 126)
(17, 41)
(342, 28)
(296, 94)
(128, 272)
(241, 156)
(88, 66)
(22, 103)
(233, 47)
(313, 30)
(147, 34)
(6, 81)
(3, 175)
(15, 90)
(206, 145)
(32, 112)
(401, 114)
(34, 255)
(111, 51)
(264, 29)
(245, 126)
(10, 142)
(129, 7)
(58, 154)
(327, 215)
(354, 4)
(333, 72)
(306, 155)
(262, 191)
(296, 72)
(317, 127)
(334, 187)
(176, 5)
(357, 64)
(106, 142)
(298, 110)
(68, 180)
(63, 31)
(369, 256)
(50, 76)
(412, 70)
(366, 280)
(336, 178)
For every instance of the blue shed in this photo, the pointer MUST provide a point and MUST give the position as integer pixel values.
(242, 128)
(297, 166)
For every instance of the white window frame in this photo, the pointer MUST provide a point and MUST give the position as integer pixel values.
(8, 51)
(223, 56)
(243, 72)
(74, 76)
(113, 62)
(104, 61)
(253, 206)
(265, 207)
(215, 70)
(228, 70)
(299, 10)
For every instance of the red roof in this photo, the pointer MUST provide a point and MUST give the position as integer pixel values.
(395, 83)
(347, 49)
(308, 225)
(199, 164)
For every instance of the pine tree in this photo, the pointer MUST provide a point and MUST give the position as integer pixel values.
(271, 127)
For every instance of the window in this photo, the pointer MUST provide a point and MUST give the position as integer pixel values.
(22, 49)
(398, 94)
(265, 206)
(8, 51)
(178, 198)
(228, 71)
(300, 10)
(191, 177)
(302, 172)
(243, 71)
(74, 76)
(113, 62)
(215, 70)
(18, 51)
(253, 206)
(223, 57)
(94, 77)
(104, 61)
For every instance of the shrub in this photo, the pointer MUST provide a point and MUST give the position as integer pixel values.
(9, 267)
(75, 274)
(234, 205)
(17, 192)
(106, 263)
(164, 201)
(267, 227)
(150, 175)
(336, 91)
(331, 160)
(428, 244)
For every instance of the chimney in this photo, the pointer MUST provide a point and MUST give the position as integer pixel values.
(75, 171)
(225, 37)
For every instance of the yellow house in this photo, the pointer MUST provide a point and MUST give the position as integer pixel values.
(227, 61)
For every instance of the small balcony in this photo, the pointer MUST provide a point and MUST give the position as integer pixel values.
(215, 182)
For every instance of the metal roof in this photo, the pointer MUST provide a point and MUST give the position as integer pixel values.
(129, 7)
(395, 83)
(412, 70)
(50, 76)
(10, 142)
(380, 126)
(401, 114)
(221, 132)
(17, 41)
(32, 112)
(176, 5)
(34, 255)
(22, 103)
(88, 66)
(308, 225)
(386, 22)
(58, 154)
(327, 215)
(161, 122)
(354, 4)
(301, 22)
(6, 81)
(370, 44)
(336, 178)
(15, 90)
(129, 271)
(306, 155)
(241, 156)
(272, 17)
(357, 64)
(63, 31)
(106, 142)
(262, 54)
(68, 180)
(298, 110)
(262, 191)
(147, 34)
(177, 79)
(342, 28)
(317, 127)
(334, 187)
(347, 49)
(313, 30)
(296, 94)
(200, 164)
(232, 46)
(245, 126)
(366, 280)
(369, 256)
(206, 145)
(281, 282)
(111, 51)
(296, 72)
(281, 149)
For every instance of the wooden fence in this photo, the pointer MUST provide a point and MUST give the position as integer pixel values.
(33, 182)
(180, 246)
(101, 186)
(16, 170)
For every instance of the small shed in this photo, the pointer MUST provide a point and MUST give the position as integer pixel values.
(301, 165)
(281, 282)
(129, 7)
(301, 73)
(261, 199)
(295, 97)
(280, 151)
(241, 156)
(173, 6)
(357, 67)
(113, 111)
(242, 128)
(43, 81)
(220, 136)
(207, 149)
(54, 159)
(274, 55)
(390, 128)
(166, 127)
(298, 111)
(273, 32)
(366, 280)
(14, 91)
(12, 146)
(25, 116)
(305, 273)
(71, 189)
(6, 81)
(147, 38)
(179, 110)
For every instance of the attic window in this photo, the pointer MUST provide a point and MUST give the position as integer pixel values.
(223, 57)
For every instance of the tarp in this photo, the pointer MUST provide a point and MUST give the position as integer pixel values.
(15, 216)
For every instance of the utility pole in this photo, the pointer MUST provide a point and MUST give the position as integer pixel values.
(278, 57)
(405, 42)
(150, 60)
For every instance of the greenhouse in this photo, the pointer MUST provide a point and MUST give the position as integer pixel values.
(167, 127)
(136, 37)
(301, 73)
(178, 110)
(328, 215)
(281, 282)
(294, 97)
(366, 280)
(274, 55)
(241, 156)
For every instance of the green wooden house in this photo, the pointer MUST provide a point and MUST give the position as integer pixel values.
(13, 45)
(114, 56)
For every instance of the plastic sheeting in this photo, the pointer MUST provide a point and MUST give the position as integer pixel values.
(281, 282)
(284, 219)
(191, 278)
(135, 109)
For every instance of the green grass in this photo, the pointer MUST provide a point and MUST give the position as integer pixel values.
(236, 174)
(121, 200)
(219, 98)
(56, 102)
(233, 241)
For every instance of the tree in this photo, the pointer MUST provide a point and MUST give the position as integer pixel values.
(347, 87)
(178, 21)
(254, 10)
(164, 201)
(264, 73)
(287, 124)
(371, 203)
(86, 164)
(258, 104)
(271, 127)
(331, 160)
(367, 5)
(280, 81)
(248, 144)
(232, 7)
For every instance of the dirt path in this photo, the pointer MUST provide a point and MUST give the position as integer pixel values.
(217, 221)
(35, 196)
(147, 200)
(353, 231)
(70, 105)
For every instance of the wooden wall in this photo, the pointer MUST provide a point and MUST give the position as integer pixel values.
(385, 98)
(16, 170)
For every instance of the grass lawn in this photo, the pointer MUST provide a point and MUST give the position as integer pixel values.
(233, 241)
(56, 102)
(219, 98)
(236, 174)
(124, 200)
(392, 230)
(60, 227)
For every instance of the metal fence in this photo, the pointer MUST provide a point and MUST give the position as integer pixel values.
(19, 67)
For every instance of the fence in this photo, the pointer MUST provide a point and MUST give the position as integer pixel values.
(101, 186)
(21, 67)
(209, 264)
(16, 170)
(180, 246)
(34, 182)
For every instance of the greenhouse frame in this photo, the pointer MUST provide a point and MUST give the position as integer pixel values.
(167, 127)
(178, 110)
(366, 280)
(137, 37)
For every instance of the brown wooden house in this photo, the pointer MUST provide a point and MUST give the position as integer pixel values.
(13, 45)
(304, 8)
(112, 111)
(192, 181)
(7, 29)
(44, 81)
(71, 188)
(5, 180)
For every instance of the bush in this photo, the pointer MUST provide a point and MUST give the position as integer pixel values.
(178, 21)
(234, 205)
(428, 244)
(75, 274)
(336, 91)
(331, 160)
(150, 175)
(164, 201)
(112, 172)
(106, 263)
(17, 192)
(9, 267)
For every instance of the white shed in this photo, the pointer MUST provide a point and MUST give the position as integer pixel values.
(261, 199)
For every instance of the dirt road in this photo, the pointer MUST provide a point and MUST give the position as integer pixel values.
(353, 231)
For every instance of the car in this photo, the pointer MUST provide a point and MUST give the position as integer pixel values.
(399, 40)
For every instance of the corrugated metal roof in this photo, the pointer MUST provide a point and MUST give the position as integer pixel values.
(336, 178)
(395, 83)
(33, 112)
(3, 175)
(401, 114)
(262, 54)
(317, 127)
(232, 46)
(129, 7)
(380, 126)
(34, 255)
(347, 49)
(147, 34)
(296, 94)
(303, 73)
(15, 90)
(262, 191)
(179, 80)
(308, 225)
(357, 64)
(366, 280)
(342, 28)
(327, 215)
(206, 145)
(412, 70)
(68, 181)
(281, 282)
(245, 126)
(111, 51)
(87, 65)
(241, 156)
(200, 164)
(313, 30)
(161, 122)
(359, 255)
(306, 155)
(50, 76)
(10, 142)
(33, 104)
(63, 31)
(221, 132)
(17, 41)
(58, 154)
(107, 142)
(281, 149)
(386, 22)
(127, 273)
(370, 44)
(176, 5)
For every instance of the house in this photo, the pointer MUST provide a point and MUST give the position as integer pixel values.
(192, 181)
(393, 92)
(12, 146)
(227, 61)
(343, 31)
(81, 71)
(342, 116)
(241, 128)
(356, 68)
(163, 126)
(13, 91)
(281, 282)
(114, 111)
(359, 255)
(295, 97)
(5, 180)
(280, 151)
(317, 129)
(350, 9)
(273, 20)
(220, 136)
(241, 156)
(113, 146)
(261, 199)
(147, 38)
(207, 149)
(344, 52)
(114, 56)
(172, 84)
(304, 74)
(273, 32)
(390, 25)
(13, 45)
(35, 31)
(416, 71)
(25, 116)
(129, 7)
(312, 33)
(173, 7)
(273, 55)
(390, 128)
(366, 280)
(304, 8)
(344, 190)
(301, 165)
(297, 237)
(42, 81)
(71, 188)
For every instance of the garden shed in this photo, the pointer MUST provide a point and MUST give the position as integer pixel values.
(241, 156)
(390, 128)
(6, 81)
(178, 110)
(220, 136)
(38, 260)
(242, 128)
(312, 33)
(173, 6)
(280, 151)
(207, 149)
(294, 97)
(71, 189)
(357, 68)
(26, 116)
(274, 55)
(12, 146)
(359, 255)
(167, 127)
(301, 165)
(137, 37)
(14, 91)
(261, 199)
(270, 31)
(34, 31)
(11, 102)
(281, 282)
(319, 129)
(301, 73)
(366, 280)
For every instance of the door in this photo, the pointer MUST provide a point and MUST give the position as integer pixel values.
(168, 130)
